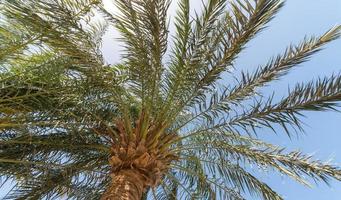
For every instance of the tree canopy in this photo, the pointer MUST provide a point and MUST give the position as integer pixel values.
(162, 116)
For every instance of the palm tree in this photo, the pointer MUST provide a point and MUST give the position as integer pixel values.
(159, 124)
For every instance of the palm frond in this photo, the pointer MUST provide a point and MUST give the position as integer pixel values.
(224, 39)
(55, 182)
(143, 27)
(280, 65)
(48, 165)
(322, 94)
(220, 102)
(293, 164)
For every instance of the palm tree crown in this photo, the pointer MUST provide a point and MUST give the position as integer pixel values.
(159, 124)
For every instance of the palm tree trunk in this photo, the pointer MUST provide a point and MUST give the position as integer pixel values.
(126, 185)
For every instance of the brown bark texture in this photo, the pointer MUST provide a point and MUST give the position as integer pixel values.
(136, 162)
(125, 185)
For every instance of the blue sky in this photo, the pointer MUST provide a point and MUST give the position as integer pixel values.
(323, 136)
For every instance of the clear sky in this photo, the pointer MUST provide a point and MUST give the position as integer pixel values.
(323, 131)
